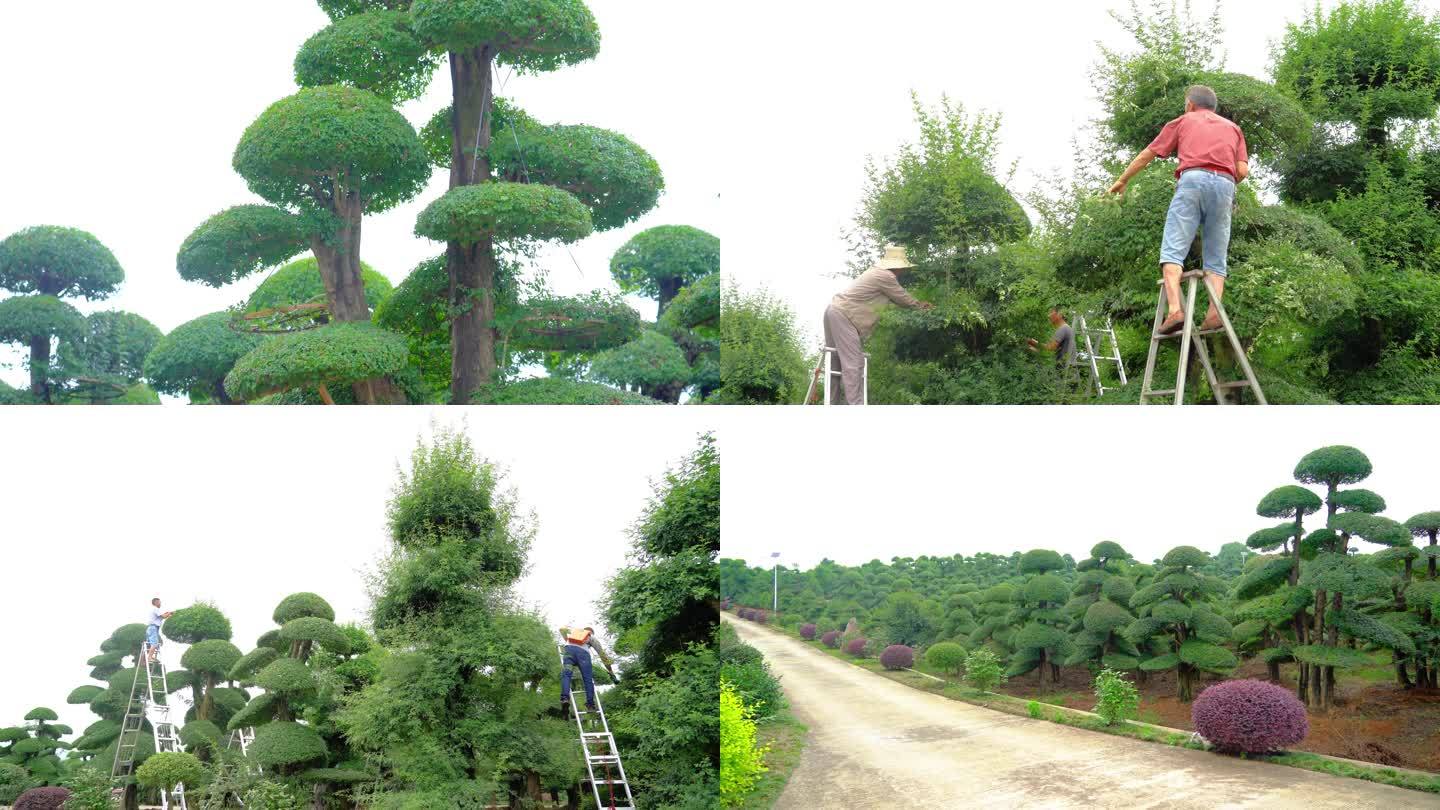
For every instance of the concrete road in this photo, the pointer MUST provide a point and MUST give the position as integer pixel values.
(877, 743)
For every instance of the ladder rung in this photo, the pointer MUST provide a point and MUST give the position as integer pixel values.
(1231, 386)
(1166, 393)
(603, 758)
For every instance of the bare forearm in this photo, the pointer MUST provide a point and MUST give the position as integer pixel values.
(1145, 158)
(1242, 171)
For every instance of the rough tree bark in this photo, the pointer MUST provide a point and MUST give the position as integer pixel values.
(40, 368)
(471, 270)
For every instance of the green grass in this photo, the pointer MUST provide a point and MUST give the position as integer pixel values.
(786, 737)
(1412, 780)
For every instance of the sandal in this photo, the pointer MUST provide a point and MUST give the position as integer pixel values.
(1173, 324)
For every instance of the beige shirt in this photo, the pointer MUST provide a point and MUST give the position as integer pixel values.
(873, 289)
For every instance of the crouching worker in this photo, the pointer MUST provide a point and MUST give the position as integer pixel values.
(1063, 342)
(850, 318)
(578, 656)
(1213, 160)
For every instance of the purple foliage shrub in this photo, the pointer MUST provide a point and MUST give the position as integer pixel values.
(831, 639)
(897, 656)
(807, 632)
(856, 647)
(1250, 716)
(761, 617)
(744, 613)
(42, 798)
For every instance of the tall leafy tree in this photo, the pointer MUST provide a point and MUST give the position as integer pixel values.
(1177, 620)
(1099, 608)
(1040, 642)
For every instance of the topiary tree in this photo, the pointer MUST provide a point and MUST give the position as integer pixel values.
(1174, 615)
(166, 770)
(649, 364)
(946, 656)
(660, 262)
(41, 265)
(1040, 641)
(210, 656)
(1099, 611)
(107, 359)
(196, 356)
(906, 618)
(1249, 717)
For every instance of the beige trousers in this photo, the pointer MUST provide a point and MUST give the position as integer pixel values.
(842, 336)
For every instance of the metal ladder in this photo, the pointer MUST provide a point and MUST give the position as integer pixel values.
(1188, 337)
(827, 367)
(152, 705)
(241, 738)
(1091, 358)
(610, 755)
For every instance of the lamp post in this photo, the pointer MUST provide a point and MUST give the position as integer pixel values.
(775, 603)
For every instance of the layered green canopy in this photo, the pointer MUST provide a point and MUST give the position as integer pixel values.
(239, 241)
(57, 261)
(336, 354)
(530, 35)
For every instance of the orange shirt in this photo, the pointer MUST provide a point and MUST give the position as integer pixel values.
(1203, 140)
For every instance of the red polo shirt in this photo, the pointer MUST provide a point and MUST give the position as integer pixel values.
(1204, 140)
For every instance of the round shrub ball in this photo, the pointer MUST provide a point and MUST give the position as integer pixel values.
(42, 798)
(831, 639)
(761, 617)
(807, 632)
(897, 656)
(300, 605)
(946, 656)
(170, 768)
(279, 745)
(856, 647)
(1250, 716)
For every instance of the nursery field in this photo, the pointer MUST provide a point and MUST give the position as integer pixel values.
(876, 742)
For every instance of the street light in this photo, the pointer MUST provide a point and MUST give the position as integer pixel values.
(775, 604)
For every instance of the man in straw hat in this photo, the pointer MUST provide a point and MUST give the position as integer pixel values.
(851, 316)
(1213, 160)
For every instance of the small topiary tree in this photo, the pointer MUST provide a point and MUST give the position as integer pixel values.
(831, 639)
(807, 632)
(42, 798)
(165, 770)
(946, 656)
(1177, 621)
(897, 656)
(856, 647)
(1249, 716)
(339, 354)
(983, 670)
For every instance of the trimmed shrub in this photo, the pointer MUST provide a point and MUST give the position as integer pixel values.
(318, 630)
(170, 768)
(761, 617)
(741, 759)
(197, 623)
(280, 745)
(807, 632)
(1119, 699)
(946, 656)
(1250, 716)
(14, 780)
(286, 676)
(42, 798)
(300, 605)
(856, 647)
(755, 684)
(831, 639)
(897, 656)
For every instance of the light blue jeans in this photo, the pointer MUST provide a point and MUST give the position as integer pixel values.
(1203, 204)
(152, 635)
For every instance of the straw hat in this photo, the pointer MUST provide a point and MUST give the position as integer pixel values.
(895, 259)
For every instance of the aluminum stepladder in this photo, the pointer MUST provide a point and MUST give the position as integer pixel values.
(1089, 358)
(148, 704)
(1189, 337)
(610, 755)
(827, 362)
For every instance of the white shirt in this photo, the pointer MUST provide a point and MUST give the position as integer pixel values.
(156, 617)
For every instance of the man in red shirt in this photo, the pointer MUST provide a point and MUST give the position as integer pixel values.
(1213, 160)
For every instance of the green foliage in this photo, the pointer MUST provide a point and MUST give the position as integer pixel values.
(336, 354)
(113, 346)
(300, 282)
(762, 361)
(58, 262)
(907, 618)
(557, 391)
(301, 140)
(14, 780)
(650, 361)
(983, 670)
(946, 656)
(376, 51)
(1118, 698)
(168, 769)
(200, 734)
(286, 677)
(211, 657)
(511, 213)
(89, 789)
(25, 317)
(533, 36)
(197, 623)
(318, 630)
(269, 795)
(697, 305)
(239, 241)
(658, 262)
(610, 174)
(195, 357)
(741, 758)
(301, 605)
(284, 746)
(592, 322)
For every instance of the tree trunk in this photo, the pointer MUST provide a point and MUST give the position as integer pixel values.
(1431, 567)
(1402, 676)
(670, 287)
(317, 796)
(1272, 671)
(218, 391)
(132, 797)
(1187, 683)
(471, 269)
(40, 368)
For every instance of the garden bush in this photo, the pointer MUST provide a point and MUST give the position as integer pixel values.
(280, 745)
(168, 769)
(1250, 716)
(897, 656)
(831, 639)
(983, 670)
(760, 617)
(1033, 709)
(14, 780)
(1119, 699)
(743, 613)
(947, 656)
(755, 684)
(42, 798)
(89, 789)
(807, 632)
(741, 760)
(856, 647)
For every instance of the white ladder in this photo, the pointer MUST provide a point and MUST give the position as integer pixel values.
(609, 756)
(827, 367)
(1092, 358)
(150, 704)
(1188, 337)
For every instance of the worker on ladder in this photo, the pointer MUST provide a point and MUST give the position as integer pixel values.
(1214, 159)
(152, 628)
(851, 317)
(1063, 342)
(577, 640)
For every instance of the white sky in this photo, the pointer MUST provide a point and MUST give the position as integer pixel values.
(845, 95)
(943, 481)
(126, 124)
(194, 504)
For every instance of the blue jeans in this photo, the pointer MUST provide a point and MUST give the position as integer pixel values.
(579, 657)
(152, 635)
(1203, 203)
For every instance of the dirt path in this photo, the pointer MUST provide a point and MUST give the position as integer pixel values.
(876, 743)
